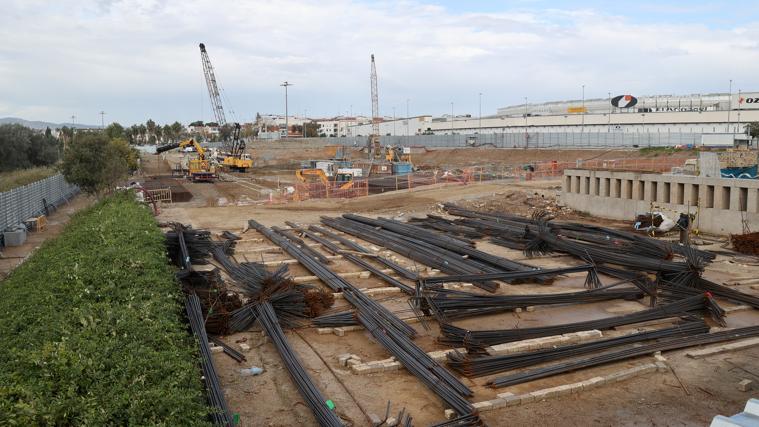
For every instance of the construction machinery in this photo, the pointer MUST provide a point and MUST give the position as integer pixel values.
(234, 150)
(198, 169)
(342, 180)
(374, 147)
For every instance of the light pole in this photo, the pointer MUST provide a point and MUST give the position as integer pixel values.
(287, 129)
(407, 120)
(739, 110)
(582, 129)
(608, 127)
(451, 117)
(729, 104)
(393, 121)
(480, 124)
(305, 120)
(525, 114)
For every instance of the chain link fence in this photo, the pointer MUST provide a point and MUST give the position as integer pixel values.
(31, 200)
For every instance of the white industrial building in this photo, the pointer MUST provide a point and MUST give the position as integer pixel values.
(417, 125)
(702, 114)
(339, 126)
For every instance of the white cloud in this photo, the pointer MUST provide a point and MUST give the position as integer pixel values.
(139, 58)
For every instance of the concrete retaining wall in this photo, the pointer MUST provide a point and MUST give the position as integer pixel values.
(720, 204)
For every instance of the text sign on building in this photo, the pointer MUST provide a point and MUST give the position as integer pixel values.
(624, 101)
(745, 101)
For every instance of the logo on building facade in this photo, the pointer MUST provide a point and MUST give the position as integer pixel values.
(624, 101)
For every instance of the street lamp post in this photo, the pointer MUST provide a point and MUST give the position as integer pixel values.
(608, 127)
(729, 104)
(480, 124)
(393, 121)
(287, 128)
(582, 129)
(407, 121)
(451, 117)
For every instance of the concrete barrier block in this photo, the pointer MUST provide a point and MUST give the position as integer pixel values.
(485, 405)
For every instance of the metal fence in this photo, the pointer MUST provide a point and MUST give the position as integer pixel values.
(529, 140)
(22, 203)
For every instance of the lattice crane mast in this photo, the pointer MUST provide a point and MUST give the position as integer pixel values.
(237, 159)
(375, 149)
(213, 89)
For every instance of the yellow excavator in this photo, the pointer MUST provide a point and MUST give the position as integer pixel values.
(342, 181)
(198, 169)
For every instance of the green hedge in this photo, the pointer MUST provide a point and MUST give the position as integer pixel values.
(91, 328)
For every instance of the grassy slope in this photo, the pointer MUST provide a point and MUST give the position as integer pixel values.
(18, 178)
(92, 328)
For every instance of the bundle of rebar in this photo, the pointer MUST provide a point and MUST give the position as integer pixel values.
(691, 307)
(456, 304)
(354, 258)
(311, 394)
(510, 228)
(453, 257)
(333, 320)
(747, 243)
(663, 345)
(390, 331)
(220, 413)
(488, 365)
(188, 246)
(402, 271)
(442, 241)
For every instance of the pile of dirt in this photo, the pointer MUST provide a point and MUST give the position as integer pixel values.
(521, 203)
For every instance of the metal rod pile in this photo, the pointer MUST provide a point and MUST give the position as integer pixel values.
(390, 331)
(220, 415)
(477, 340)
(402, 271)
(418, 250)
(488, 365)
(456, 304)
(663, 345)
(333, 320)
(336, 250)
(313, 397)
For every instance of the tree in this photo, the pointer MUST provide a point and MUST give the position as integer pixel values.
(225, 132)
(196, 123)
(167, 133)
(753, 129)
(141, 131)
(95, 163)
(312, 130)
(150, 126)
(114, 130)
(178, 129)
(22, 147)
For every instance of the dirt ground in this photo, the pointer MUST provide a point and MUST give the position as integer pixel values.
(702, 388)
(13, 256)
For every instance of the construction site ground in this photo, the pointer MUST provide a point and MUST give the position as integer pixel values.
(691, 394)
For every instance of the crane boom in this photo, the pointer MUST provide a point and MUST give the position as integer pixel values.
(375, 100)
(374, 139)
(213, 89)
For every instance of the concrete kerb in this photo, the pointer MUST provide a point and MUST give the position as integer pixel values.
(509, 348)
(510, 399)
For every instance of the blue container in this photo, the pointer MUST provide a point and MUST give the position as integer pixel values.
(404, 168)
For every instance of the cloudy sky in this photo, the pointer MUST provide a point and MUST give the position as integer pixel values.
(139, 59)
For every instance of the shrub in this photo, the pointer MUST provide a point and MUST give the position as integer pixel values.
(92, 328)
